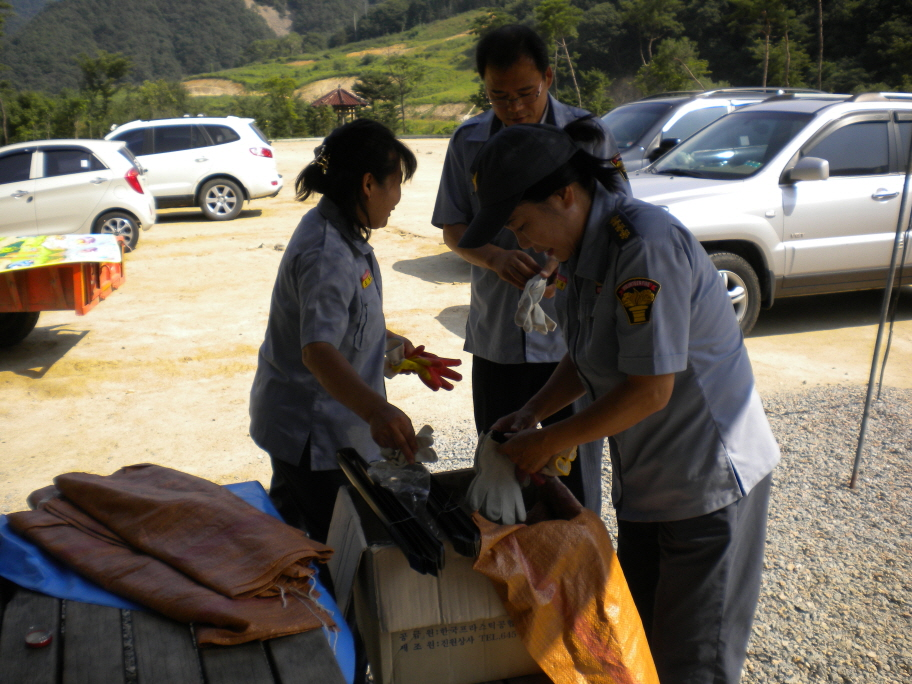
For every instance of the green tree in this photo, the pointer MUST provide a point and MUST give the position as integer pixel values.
(405, 75)
(653, 20)
(379, 90)
(102, 76)
(557, 22)
(491, 18)
(153, 100)
(594, 87)
(280, 110)
(675, 66)
(768, 18)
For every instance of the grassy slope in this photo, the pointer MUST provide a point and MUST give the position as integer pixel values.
(441, 46)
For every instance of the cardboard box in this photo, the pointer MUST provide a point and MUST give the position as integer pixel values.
(450, 629)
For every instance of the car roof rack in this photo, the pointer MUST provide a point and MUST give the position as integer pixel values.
(744, 90)
(881, 97)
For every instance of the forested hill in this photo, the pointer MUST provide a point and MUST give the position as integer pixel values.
(163, 38)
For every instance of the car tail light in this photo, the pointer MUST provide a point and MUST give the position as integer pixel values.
(132, 177)
(261, 152)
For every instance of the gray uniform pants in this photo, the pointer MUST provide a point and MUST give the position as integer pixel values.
(695, 583)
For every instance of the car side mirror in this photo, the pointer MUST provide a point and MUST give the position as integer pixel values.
(809, 169)
(663, 147)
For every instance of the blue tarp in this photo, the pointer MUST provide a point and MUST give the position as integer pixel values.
(28, 566)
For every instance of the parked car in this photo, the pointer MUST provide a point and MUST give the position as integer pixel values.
(796, 195)
(51, 187)
(648, 128)
(214, 163)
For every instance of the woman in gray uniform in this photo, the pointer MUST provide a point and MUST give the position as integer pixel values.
(653, 341)
(319, 383)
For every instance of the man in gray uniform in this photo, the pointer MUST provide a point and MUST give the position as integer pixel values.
(654, 343)
(508, 364)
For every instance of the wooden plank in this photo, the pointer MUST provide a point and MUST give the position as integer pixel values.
(165, 650)
(304, 657)
(243, 664)
(93, 644)
(20, 664)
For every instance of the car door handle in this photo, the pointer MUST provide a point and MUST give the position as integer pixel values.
(202, 159)
(96, 181)
(884, 194)
(20, 193)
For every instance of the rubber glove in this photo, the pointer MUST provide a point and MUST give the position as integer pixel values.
(425, 453)
(495, 491)
(561, 463)
(529, 314)
(433, 370)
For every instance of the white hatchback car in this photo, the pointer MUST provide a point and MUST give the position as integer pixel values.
(53, 187)
(214, 163)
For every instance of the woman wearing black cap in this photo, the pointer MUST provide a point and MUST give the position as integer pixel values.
(653, 340)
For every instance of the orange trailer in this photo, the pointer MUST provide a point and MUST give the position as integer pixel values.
(72, 286)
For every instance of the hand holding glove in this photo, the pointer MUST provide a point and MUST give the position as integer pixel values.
(529, 314)
(495, 491)
(425, 453)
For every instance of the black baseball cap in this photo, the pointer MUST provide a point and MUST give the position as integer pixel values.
(512, 161)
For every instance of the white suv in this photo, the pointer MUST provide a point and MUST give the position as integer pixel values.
(797, 195)
(215, 163)
(51, 187)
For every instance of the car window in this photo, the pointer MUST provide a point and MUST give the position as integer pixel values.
(693, 121)
(734, 146)
(133, 138)
(221, 134)
(177, 138)
(15, 168)
(630, 123)
(256, 130)
(63, 162)
(858, 149)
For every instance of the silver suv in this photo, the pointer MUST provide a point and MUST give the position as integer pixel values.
(214, 163)
(797, 195)
(648, 128)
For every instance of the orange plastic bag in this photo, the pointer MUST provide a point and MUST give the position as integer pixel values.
(561, 582)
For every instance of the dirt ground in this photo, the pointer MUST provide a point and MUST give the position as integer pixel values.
(161, 371)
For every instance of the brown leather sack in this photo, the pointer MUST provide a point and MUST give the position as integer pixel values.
(560, 581)
(182, 546)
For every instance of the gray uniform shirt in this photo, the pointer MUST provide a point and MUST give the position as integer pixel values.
(643, 298)
(490, 330)
(328, 289)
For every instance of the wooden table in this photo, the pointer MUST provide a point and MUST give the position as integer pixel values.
(101, 645)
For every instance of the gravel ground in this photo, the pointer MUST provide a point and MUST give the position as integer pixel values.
(836, 602)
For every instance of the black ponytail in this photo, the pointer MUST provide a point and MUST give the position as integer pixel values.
(340, 162)
(583, 168)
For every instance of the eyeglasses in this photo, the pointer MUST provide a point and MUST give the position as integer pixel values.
(505, 102)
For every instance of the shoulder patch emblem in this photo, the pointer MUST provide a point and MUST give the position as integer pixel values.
(618, 163)
(366, 278)
(636, 296)
(560, 281)
(620, 226)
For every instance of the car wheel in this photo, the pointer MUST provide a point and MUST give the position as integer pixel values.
(119, 223)
(221, 200)
(14, 327)
(743, 287)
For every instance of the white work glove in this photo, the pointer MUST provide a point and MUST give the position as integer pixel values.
(529, 314)
(494, 491)
(425, 453)
(395, 353)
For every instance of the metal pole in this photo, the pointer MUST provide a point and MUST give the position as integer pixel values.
(900, 230)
